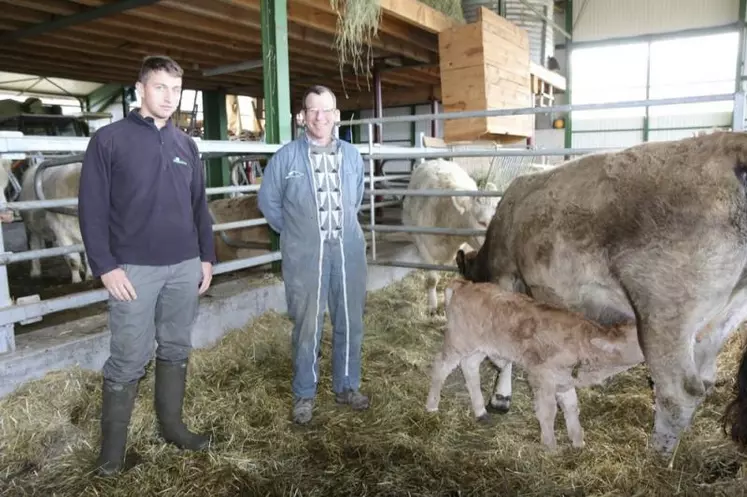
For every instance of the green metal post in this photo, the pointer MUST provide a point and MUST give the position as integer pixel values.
(215, 121)
(274, 14)
(568, 71)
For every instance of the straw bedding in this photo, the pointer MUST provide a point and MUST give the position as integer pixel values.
(240, 390)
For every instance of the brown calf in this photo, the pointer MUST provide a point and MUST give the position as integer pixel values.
(559, 349)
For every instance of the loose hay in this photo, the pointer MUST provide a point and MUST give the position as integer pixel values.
(241, 391)
(357, 26)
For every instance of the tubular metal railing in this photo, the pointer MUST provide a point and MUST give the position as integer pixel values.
(14, 143)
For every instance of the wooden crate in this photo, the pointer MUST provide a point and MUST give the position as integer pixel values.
(485, 65)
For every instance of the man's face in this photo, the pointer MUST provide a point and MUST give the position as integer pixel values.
(320, 115)
(160, 94)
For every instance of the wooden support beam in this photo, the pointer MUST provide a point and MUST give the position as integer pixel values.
(79, 18)
(316, 18)
(208, 52)
(365, 100)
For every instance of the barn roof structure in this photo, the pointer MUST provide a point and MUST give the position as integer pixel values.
(219, 44)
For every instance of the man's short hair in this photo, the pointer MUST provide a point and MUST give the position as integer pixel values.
(317, 90)
(159, 63)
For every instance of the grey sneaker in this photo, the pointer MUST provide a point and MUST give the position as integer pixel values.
(357, 400)
(302, 410)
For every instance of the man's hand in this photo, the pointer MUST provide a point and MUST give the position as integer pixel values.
(207, 277)
(118, 285)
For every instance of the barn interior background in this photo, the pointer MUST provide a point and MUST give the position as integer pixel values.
(68, 68)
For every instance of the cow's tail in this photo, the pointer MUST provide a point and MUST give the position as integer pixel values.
(735, 416)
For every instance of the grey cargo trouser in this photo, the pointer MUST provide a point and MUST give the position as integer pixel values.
(165, 311)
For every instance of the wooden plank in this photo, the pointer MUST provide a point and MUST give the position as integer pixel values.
(485, 65)
(418, 14)
(460, 47)
(548, 76)
(464, 89)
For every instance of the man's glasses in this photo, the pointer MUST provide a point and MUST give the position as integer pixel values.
(315, 111)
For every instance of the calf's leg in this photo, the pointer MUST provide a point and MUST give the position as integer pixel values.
(568, 401)
(500, 402)
(443, 364)
(471, 370)
(545, 407)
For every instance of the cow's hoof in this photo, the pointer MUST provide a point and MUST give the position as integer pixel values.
(499, 404)
(483, 418)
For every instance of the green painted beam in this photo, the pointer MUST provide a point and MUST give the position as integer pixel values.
(274, 14)
(215, 121)
(568, 73)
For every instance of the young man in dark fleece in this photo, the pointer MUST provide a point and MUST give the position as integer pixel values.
(148, 235)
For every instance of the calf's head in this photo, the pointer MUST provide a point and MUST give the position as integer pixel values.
(468, 267)
(476, 213)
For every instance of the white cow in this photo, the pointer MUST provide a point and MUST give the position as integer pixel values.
(44, 225)
(6, 216)
(450, 212)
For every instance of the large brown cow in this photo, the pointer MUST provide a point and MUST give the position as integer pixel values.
(656, 233)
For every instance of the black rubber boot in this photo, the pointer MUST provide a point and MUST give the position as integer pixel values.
(171, 378)
(118, 399)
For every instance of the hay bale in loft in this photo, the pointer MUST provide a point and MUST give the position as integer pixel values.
(357, 25)
(452, 8)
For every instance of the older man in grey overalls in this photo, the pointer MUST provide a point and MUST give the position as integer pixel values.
(311, 192)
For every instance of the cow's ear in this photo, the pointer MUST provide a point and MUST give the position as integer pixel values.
(460, 203)
(460, 261)
(490, 187)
